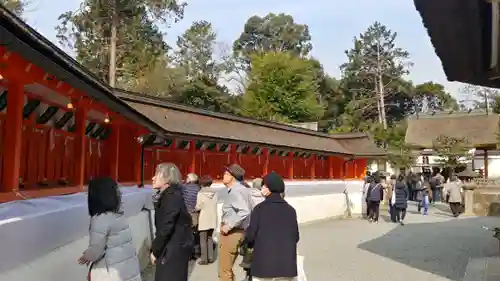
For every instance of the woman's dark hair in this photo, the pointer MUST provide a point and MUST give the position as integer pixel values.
(401, 178)
(103, 196)
(206, 181)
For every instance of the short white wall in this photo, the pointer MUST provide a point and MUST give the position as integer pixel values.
(60, 263)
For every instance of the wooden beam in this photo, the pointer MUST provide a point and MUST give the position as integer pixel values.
(80, 146)
(265, 167)
(486, 158)
(330, 166)
(313, 158)
(233, 154)
(18, 67)
(192, 155)
(114, 150)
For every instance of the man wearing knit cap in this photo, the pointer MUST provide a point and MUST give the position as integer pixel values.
(273, 234)
(236, 211)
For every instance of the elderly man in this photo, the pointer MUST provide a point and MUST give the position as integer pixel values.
(236, 211)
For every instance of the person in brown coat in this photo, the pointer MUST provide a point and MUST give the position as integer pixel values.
(454, 195)
(206, 204)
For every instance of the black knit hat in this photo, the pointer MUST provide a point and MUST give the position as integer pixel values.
(274, 182)
(236, 171)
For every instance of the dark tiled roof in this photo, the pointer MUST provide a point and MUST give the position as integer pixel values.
(460, 31)
(359, 143)
(479, 129)
(182, 120)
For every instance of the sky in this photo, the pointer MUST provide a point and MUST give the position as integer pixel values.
(332, 23)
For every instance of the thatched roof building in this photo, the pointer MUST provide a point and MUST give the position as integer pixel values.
(479, 129)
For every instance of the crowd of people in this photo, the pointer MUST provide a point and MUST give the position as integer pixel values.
(256, 223)
(424, 188)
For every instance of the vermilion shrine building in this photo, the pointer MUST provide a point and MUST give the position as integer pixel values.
(60, 126)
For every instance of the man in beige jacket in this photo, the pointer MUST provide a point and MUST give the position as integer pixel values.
(454, 195)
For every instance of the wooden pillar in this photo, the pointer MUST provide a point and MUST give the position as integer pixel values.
(192, 155)
(330, 167)
(485, 164)
(355, 168)
(114, 150)
(313, 166)
(80, 143)
(290, 163)
(265, 169)
(137, 156)
(233, 154)
(13, 136)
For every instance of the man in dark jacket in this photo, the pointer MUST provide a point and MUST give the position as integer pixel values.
(273, 234)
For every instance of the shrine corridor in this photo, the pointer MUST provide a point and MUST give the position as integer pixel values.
(428, 248)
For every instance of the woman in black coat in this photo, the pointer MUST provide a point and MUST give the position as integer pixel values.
(401, 199)
(273, 234)
(173, 243)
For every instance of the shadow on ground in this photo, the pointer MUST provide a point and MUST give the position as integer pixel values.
(442, 248)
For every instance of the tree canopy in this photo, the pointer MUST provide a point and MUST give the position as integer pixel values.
(268, 73)
(272, 33)
(118, 39)
(15, 6)
(282, 88)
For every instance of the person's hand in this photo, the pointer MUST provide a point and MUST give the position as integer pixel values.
(224, 230)
(83, 261)
(153, 259)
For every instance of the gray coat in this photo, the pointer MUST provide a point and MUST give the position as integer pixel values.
(111, 249)
(454, 191)
(237, 207)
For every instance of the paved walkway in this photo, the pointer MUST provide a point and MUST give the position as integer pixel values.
(428, 248)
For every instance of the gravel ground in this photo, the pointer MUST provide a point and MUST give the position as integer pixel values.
(433, 247)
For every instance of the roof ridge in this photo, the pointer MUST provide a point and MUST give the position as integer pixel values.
(155, 101)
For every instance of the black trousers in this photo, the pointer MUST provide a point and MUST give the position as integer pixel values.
(400, 214)
(373, 210)
(206, 245)
(196, 246)
(393, 212)
(455, 208)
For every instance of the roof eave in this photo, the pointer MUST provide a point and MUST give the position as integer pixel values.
(20, 38)
(458, 30)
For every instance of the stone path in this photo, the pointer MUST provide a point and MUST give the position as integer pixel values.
(435, 247)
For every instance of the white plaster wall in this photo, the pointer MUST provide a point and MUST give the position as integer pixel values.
(380, 165)
(61, 263)
(493, 164)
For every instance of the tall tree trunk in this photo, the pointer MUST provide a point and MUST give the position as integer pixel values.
(382, 102)
(380, 86)
(379, 111)
(112, 47)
